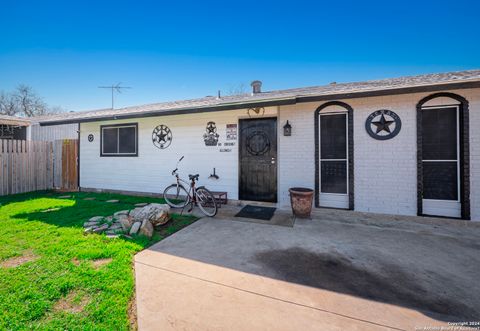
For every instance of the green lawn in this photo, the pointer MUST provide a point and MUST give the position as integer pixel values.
(61, 288)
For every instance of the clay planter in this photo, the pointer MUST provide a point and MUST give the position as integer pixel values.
(301, 199)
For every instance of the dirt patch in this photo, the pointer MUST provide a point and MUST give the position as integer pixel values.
(335, 272)
(98, 263)
(132, 313)
(74, 302)
(16, 261)
(76, 261)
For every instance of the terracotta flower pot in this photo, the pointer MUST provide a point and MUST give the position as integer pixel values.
(301, 199)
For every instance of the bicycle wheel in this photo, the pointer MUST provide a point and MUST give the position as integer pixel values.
(206, 201)
(176, 196)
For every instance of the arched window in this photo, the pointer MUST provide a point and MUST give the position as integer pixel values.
(334, 155)
(443, 173)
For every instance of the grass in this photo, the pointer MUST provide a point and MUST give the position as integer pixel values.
(60, 271)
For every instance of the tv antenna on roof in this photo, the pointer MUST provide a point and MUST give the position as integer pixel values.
(115, 88)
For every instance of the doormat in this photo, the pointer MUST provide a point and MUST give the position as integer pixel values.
(256, 212)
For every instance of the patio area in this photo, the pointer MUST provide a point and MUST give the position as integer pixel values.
(339, 270)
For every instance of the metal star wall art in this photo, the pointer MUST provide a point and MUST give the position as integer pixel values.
(162, 136)
(383, 124)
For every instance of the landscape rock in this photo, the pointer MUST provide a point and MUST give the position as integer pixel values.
(126, 222)
(120, 213)
(132, 213)
(140, 220)
(112, 201)
(97, 219)
(88, 230)
(109, 220)
(156, 213)
(146, 229)
(113, 236)
(115, 226)
(135, 227)
(142, 204)
(101, 228)
(159, 214)
(88, 224)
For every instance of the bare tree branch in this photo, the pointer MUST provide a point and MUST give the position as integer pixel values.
(25, 102)
(8, 105)
(30, 103)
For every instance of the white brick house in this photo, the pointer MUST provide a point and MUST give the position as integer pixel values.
(421, 169)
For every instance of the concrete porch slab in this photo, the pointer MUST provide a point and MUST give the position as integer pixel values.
(219, 274)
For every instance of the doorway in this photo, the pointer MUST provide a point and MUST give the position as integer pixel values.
(258, 159)
(443, 153)
(334, 155)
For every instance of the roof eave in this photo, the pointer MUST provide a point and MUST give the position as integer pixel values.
(14, 122)
(278, 102)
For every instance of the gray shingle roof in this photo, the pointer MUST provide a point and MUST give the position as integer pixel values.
(289, 96)
(14, 120)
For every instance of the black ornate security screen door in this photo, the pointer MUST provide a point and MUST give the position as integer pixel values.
(333, 160)
(441, 161)
(258, 159)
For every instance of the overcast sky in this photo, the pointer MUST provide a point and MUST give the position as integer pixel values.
(182, 49)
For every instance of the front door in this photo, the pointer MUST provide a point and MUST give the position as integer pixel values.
(258, 159)
(441, 161)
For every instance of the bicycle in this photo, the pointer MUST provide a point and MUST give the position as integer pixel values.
(177, 196)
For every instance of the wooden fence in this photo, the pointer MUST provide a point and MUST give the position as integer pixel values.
(37, 165)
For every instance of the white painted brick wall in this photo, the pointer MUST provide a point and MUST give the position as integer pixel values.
(296, 152)
(385, 171)
(151, 170)
(473, 96)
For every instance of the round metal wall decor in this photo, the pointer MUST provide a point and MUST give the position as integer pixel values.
(90, 137)
(162, 136)
(258, 143)
(383, 124)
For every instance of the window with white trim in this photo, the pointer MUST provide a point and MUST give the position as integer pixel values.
(119, 140)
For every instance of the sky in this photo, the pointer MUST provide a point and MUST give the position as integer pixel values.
(176, 50)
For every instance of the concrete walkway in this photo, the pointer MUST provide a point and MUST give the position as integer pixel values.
(322, 274)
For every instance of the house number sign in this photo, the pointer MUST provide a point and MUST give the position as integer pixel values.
(383, 124)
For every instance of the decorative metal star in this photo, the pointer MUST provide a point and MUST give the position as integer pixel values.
(211, 127)
(161, 137)
(383, 125)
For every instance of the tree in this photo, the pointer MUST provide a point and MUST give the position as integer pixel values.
(28, 102)
(24, 101)
(8, 104)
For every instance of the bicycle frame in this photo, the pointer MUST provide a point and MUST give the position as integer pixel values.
(205, 199)
(191, 191)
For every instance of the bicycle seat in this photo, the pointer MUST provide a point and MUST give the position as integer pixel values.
(193, 177)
